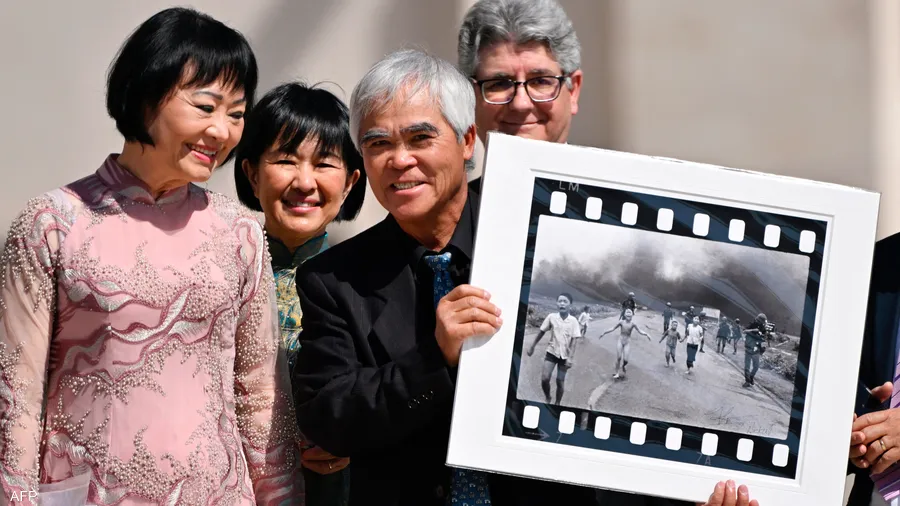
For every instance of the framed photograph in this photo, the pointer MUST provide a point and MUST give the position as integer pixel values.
(667, 325)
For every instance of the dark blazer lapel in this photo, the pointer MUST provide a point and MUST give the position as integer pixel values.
(391, 292)
(879, 351)
(885, 349)
(393, 314)
(887, 307)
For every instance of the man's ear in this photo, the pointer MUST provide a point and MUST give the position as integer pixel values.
(469, 139)
(575, 92)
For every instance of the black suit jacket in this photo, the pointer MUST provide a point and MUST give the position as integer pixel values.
(371, 383)
(879, 350)
(475, 185)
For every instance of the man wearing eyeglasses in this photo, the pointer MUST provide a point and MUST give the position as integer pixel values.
(524, 59)
(525, 62)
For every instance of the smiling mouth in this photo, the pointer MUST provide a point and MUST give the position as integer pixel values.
(302, 205)
(405, 186)
(211, 153)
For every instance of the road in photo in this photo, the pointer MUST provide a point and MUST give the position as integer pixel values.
(598, 265)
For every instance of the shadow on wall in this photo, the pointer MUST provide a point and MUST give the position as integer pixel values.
(593, 21)
(431, 26)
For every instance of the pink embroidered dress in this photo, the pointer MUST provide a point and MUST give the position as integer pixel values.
(139, 349)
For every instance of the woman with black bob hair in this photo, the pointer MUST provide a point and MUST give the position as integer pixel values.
(140, 361)
(297, 164)
(290, 119)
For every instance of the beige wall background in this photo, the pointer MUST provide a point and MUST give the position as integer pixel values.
(803, 88)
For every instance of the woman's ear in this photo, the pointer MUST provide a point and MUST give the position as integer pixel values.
(351, 180)
(252, 176)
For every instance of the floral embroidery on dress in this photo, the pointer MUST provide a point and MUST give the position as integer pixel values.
(139, 346)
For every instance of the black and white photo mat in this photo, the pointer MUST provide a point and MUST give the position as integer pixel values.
(771, 248)
(666, 325)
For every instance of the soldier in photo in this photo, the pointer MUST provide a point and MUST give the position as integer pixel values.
(723, 334)
(689, 316)
(668, 314)
(736, 334)
(628, 304)
(623, 347)
(755, 339)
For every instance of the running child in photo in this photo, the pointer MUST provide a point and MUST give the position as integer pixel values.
(583, 319)
(693, 336)
(623, 347)
(564, 331)
(672, 337)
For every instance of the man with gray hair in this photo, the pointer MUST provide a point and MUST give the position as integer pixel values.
(524, 60)
(385, 313)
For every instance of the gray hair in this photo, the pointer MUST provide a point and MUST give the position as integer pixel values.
(521, 22)
(408, 72)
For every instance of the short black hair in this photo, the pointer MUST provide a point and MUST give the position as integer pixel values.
(568, 296)
(154, 59)
(286, 116)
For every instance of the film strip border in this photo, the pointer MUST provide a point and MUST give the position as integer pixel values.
(538, 422)
(659, 439)
(665, 220)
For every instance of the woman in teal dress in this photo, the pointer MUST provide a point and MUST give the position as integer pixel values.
(297, 164)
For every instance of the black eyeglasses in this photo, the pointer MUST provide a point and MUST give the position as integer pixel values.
(503, 90)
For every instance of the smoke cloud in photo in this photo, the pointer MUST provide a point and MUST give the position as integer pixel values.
(601, 263)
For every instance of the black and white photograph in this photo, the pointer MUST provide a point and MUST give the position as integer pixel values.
(665, 327)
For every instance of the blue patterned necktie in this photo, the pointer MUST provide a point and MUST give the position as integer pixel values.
(467, 488)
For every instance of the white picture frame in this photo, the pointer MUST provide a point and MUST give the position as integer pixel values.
(807, 467)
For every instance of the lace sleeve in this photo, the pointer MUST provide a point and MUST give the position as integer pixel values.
(265, 409)
(27, 304)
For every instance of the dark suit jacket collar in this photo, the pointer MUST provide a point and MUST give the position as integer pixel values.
(462, 240)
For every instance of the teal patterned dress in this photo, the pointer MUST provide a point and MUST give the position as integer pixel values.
(321, 490)
(284, 266)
